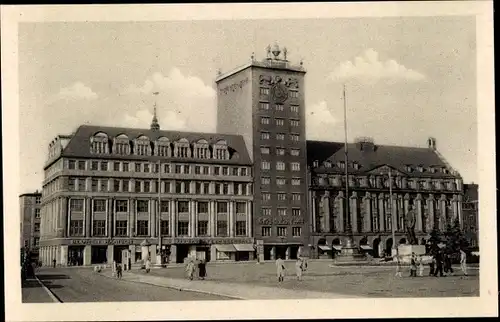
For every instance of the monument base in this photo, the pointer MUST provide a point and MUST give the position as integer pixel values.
(350, 253)
(405, 252)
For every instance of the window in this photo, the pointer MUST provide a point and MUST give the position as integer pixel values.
(202, 207)
(266, 211)
(125, 166)
(142, 206)
(266, 165)
(281, 211)
(243, 172)
(99, 205)
(264, 91)
(99, 228)
(147, 186)
(225, 188)
(198, 188)
(281, 231)
(264, 106)
(281, 196)
(183, 206)
(280, 122)
(76, 228)
(221, 207)
(239, 189)
(295, 196)
(296, 231)
(116, 185)
(216, 171)
(265, 180)
(266, 196)
(37, 227)
(72, 164)
(187, 169)
(137, 186)
(116, 166)
(180, 187)
(266, 231)
(81, 184)
(295, 166)
(142, 228)
(280, 166)
(165, 228)
(38, 200)
(280, 181)
(146, 167)
(104, 166)
(37, 213)
(264, 150)
(296, 182)
(294, 122)
(182, 228)
(121, 206)
(264, 135)
(241, 228)
(294, 108)
(294, 94)
(296, 212)
(235, 171)
(164, 206)
(137, 167)
(94, 165)
(218, 188)
(240, 208)
(280, 151)
(197, 169)
(225, 171)
(264, 120)
(295, 152)
(36, 241)
(72, 184)
(81, 165)
(221, 228)
(279, 107)
(280, 136)
(76, 205)
(294, 137)
(202, 228)
(205, 170)
(166, 168)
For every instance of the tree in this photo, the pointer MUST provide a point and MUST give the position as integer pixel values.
(434, 240)
(455, 239)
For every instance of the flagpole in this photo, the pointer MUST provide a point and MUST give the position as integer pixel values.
(348, 217)
(393, 222)
(159, 212)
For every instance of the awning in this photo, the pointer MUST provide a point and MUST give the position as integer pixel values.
(365, 247)
(337, 247)
(324, 247)
(225, 248)
(244, 247)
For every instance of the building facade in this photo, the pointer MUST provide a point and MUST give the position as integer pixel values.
(114, 192)
(263, 101)
(422, 182)
(30, 204)
(470, 210)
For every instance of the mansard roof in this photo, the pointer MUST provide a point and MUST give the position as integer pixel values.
(374, 156)
(79, 145)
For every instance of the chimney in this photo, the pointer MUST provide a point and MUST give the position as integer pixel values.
(431, 143)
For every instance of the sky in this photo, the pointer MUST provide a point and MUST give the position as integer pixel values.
(407, 78)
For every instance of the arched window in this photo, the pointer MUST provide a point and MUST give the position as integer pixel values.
(99, 143)
(201, 149)
(221, 151)
(142, 146)
(163, 148)
(182, 148)
(121, 145)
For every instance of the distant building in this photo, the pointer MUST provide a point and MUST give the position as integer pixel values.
(101, 196)
(470, 210)
(30, 204)
(421, 178)
(263, 101)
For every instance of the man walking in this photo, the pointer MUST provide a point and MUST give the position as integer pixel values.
(439, 264)
(463, 261)
(280, 269)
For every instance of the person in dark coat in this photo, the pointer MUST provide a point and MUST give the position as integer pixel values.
(447, 264)
(202, 269)
(439, 264)
(54, 263)
(431, 265)
(119, 271)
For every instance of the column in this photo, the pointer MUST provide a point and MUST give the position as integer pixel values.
(110, 211)
(153, 218)
(460, 215)
(231, 218)
(395, 214)
(213, 219)
(173, 254)
(249, 219)
(325, 202)
(312, 198)
(87, 255)
(419, 221)
(454, 205)
(190, 212)
(340, 213)
(273, 253)
(173, 221)
(406, 203)
(88, 217)
(132, 253)
(368, 213)
(111, 254)
(152, 250)
(443, 220)
(64, 217)
(381, 212)
(430, 213)
(213, 253)
(354, 211)
(131, 219)
(287, 253)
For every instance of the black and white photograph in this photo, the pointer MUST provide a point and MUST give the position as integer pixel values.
(317, 159)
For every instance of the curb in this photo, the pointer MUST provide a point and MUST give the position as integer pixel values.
(54, 298)
(180, 288)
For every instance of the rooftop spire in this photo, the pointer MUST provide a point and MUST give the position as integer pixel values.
(155, 126)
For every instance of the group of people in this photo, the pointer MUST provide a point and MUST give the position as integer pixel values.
(196, 267)
(300, 267)
(441, 263)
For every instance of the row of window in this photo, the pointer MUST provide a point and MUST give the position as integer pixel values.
(121, 228)
(279, 136)
(99, 205)
(265, 120)
(280, 181)
(265, 91)
(281, 231)
(282, 211)
(408, 168)
(151, 186)
(279, 151)
(280, 166)
(37, 213)
(147, 167)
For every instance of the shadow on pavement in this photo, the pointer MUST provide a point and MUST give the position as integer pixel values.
(44, 277)
(30, 284)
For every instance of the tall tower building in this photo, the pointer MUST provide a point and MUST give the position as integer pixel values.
(264, 102)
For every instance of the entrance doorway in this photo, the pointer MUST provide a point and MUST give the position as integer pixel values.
(281, 251)
(182, 252)
(294, 250)
(388, 247)
(203, 252)
(117, 254)
(376, 243)
(99, 254)
(267, 252)
(75, 255)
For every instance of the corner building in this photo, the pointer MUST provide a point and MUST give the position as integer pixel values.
(263, 101)
(30, 222)
(109, 190)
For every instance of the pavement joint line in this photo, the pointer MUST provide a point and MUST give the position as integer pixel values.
(179, 288)
(51, 294)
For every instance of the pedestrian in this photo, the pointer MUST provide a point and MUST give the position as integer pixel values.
(432, 263)
(439, 264)
(119, 271)
(447, 264)
(202, 269)
(148, 265)
(113, 269)
(54, 263)
(398, 267)
(190, 269)
(463, 261)
(304, 264)
(420, 266)
(298, 269)
(280, 269)
(413, 265)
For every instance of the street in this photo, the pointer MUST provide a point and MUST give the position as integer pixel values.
(83, 285)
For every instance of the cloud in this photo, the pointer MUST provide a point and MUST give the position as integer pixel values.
(144, 117)
(76, 91)
(368, 67)
(320, 121)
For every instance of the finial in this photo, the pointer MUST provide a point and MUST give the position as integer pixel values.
(253, 56)
(155, 126)
(301, 62)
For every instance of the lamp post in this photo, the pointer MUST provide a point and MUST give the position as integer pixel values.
(393, 221)
(349, 238)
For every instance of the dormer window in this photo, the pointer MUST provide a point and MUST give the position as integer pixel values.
(341, 164)
(201, 149)
(163, 147)
(355, 166)
(420, 168)
(432, 170)
(221, 151)
(142, 146)
(182, 149)
(444, 170)
(99, 143)
(315, 164)
(121, 145)
(327, 164)
(408, 168)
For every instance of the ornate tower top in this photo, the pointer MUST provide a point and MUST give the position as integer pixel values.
(155, 126)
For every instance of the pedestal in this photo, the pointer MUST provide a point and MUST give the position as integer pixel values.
(87, 255)
(405, 252)
(350, 253)
(173, 254)
(64, 255)
(111, 254)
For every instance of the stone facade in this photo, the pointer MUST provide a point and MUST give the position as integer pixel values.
(30, 204)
